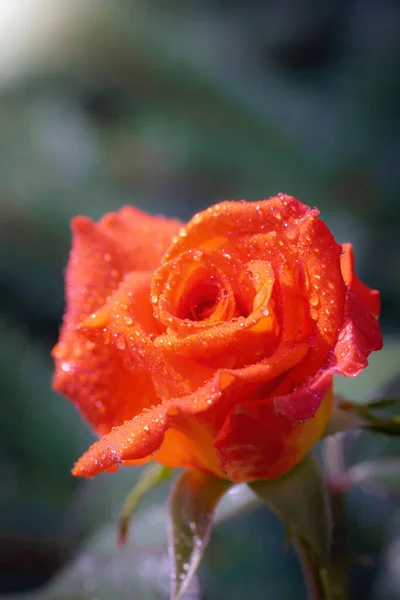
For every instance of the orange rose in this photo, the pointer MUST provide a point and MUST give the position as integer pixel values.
(210, 346)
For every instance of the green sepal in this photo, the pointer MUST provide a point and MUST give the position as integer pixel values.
(192, 506)
(300, 499)
(352, 415)
(151, 476)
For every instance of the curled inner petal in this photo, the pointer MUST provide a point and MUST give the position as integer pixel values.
(216, 309)
(194, 292)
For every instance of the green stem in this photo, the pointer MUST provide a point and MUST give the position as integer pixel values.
(313, 576)
(337, 571)
(322, 583)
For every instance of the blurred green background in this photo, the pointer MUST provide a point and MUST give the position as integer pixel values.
(171, 106)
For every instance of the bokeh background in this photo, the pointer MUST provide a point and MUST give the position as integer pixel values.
(171, 105)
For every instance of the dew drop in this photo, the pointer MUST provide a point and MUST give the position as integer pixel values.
(120, 343)
(128, 320)
(314, 300)
(292, 234)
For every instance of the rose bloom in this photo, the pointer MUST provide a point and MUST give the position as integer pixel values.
(210, 345)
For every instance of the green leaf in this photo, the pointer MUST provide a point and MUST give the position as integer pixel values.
(382, 475)
(300, 500)
(150, 477)
(352, 415)
(193, 502)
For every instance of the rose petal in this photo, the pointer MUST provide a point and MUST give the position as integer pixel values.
(92, 375)
(257, 443)
(144, 435)
(320, 257)
(126, 324)
(189, 424)
(232, 220)
(303, 402)
(361, 333)
(224, 340)
(368, 297)
(142, 237)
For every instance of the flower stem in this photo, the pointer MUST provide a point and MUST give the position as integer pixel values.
(313, 576)
(323, 583)
(333, 453)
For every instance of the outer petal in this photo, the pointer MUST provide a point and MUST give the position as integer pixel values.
(91, 375)
(103, 253)
(359, 336)
(326, 292)
(361, 333)
(189, 444)
(142, 237)
(181, 431)
(256, 443)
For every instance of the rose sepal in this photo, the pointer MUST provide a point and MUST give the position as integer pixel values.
(193, 501)
(348, 415)
(151, 476)
(300, 499)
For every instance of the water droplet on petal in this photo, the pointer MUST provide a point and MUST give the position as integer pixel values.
(77, 352)
(120, 343)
